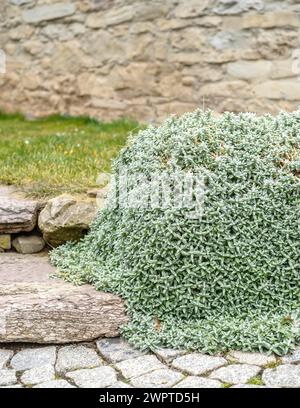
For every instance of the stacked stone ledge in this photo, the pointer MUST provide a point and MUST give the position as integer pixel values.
(27, 225)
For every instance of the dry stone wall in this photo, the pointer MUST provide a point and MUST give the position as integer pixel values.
(148, 58)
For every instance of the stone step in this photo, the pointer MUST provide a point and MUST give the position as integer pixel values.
(37, 309)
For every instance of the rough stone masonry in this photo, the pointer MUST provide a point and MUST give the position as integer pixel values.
(146, 59)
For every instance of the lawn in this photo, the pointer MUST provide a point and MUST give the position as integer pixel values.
(58, 154)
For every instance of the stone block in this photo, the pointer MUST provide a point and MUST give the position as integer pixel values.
(48, 12)
(5, 241)
(249, 69)
(271, 20)
(28, 244)
(284, 89)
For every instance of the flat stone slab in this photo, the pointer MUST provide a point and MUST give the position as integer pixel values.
(70, 358)
(236, 373)
(34, 357)
(38, 375)
(139, 366)
(48, 12)
(8, 377)
(284, 376)
(37, 309)
(17, 213)
(116, 350)
(258, 359)
(100, 377)
(22, 268)
(196, 363)
(163, 378)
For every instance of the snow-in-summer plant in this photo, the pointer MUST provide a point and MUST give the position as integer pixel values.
(228, 279)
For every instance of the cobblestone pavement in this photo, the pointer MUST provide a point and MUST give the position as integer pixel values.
(113, 363)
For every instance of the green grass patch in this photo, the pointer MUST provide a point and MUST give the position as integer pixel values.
(256, 380)
(226, 385)
(273, 365)
(58, 154)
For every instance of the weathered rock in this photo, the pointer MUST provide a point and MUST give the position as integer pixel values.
(48, 12)
(226, 40)
(282, 69)
(286, 376)
(197, 364)
(236, 373)
(192, 38)
(100, 377)
(16, 213)
(15, 267)
(57, 31)
(198, 382)
(271, 19)
(138, 366)
(21, 32)
(28, 359)
(226, 88)
(238, 6)
(5, 356)
(28, 244)
(33, 48)
(284, 89)
(141, 11)
(66, 218)
(5, 241)
(249, 69)
(191, 8)
(168, 354)
(110, 17)
(20, 2)
(44, 313)
(292, 358)
(38, 375)
(8, 377)
(34, 308)
(163, 378)
(258, 359)
(72, 358)
(116, 350)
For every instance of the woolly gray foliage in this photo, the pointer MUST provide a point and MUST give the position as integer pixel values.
(227, 280)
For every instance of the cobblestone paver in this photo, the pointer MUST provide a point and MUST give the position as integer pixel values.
(236, 373)
(113, 363)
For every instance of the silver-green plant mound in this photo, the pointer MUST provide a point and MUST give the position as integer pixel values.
(222, 272)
